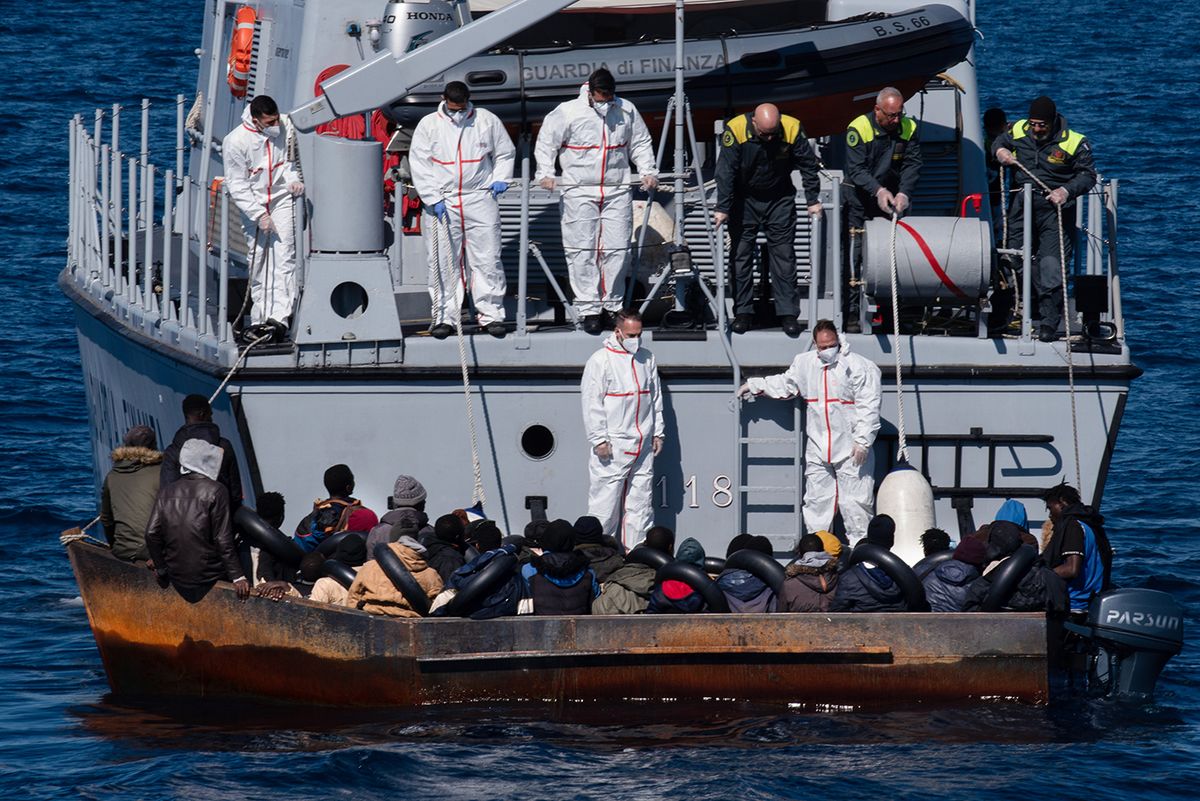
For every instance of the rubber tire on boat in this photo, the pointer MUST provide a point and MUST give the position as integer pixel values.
(759, 565)
(402, 579)
(330, 545)
(934, 561)
(714, 564)
(697, 579)
(493, 575)
(267, 537)
(340, 572)
(648, 557)
(897, 570)
(1007, 577)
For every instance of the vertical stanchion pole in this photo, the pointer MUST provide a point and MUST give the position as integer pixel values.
(202, 277)
(164, 303)
(1027, 262)
(397, 267)
(185, 250)
(1114, 273)
(148, 250)
(72, 190)
(679, 123)
(144, 155)
(117, 195)
(1095, 230)
(105, 216)
(523, 246)
(131, 284)
(816, 262)
(833, 271)
(223, 280)
(179, 148)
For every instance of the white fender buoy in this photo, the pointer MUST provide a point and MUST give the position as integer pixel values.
(906, 497)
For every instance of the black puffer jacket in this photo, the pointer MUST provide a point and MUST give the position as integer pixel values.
(1042, 590)
(229, 477)
(947, 584)
(444, 558)
(189, 533)
(867, 589)
(563, 584)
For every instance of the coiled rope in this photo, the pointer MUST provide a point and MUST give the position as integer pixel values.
(80, 534)
(442, 254)
(1062, 263)
(902, 441)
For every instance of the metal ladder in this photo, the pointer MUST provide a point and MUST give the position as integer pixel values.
(772, 454)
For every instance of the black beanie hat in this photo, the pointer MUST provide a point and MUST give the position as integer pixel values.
(338, 478)
(882, 531)
(310, 566)
(810, 543)
(738, 543)
(449, 528)
(352, 550)
(558, 537)
(1043, 109)
(1004, 538)
(588, 531)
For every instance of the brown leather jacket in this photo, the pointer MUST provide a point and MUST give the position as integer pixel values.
(189, 533)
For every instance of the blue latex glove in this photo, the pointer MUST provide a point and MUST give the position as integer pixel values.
(499, 188)
(439, 210)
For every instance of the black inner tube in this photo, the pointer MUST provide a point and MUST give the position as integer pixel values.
(491, 578)
(340, 572)
(759, 565)
(267, 537)
(1007, 577)
(650, 557)
(713, 564)
(328, 546)
(402, 579)
(897, 570)
(934, 560)
(697, 579)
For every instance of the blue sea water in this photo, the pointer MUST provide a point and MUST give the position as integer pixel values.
(1122, 71)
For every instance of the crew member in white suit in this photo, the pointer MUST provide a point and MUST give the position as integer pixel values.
(623, 421)
(596, 137)
(263, 185)
(462, 161)
(842, 392)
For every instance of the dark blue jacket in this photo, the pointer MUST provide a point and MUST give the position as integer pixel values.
(503, 602)
(946, 585)
(867, 589)
(745, 592)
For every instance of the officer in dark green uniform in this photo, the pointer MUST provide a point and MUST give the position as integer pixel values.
(755, 191)
(1062, 160)
(883, 164)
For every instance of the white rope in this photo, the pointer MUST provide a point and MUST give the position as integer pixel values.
(242, 313)
(1062, 264)
(902, 442)
(80, 534)
(1016, 285)
(441, 256)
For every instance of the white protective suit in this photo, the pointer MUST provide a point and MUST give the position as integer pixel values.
(622, 405)
(843, 410)
(457, 163)
(595, 201)
(258, 174)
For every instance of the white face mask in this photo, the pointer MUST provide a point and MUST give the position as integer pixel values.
(828, 355)
(271, 131)
(601, 107)
(457, 116)
(631, 344)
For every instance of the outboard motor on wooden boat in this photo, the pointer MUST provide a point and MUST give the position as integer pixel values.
(1133, 633)
(407, 25)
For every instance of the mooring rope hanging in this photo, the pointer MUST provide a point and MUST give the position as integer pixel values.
(902, 441)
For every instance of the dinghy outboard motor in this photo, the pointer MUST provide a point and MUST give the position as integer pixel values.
(1135, 633)
(407, 25)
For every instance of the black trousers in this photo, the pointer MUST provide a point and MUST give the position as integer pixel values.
(777, 219)
(1047, 301)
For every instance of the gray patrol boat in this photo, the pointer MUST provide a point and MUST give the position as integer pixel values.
(156, 270)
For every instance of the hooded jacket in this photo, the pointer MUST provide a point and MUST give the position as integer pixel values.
(626, 592)
(257, 170)
(867, 589)
(444, 558)
(229, 477)
(603, 558)
(503, 602)
(675, 598)
(390, 524)
(811, 583)
(372, 591)
(127, 500)
(622, 398)
(947, 584)
(745, 592)
(563, 584)
(189, 536)
(843, 401)
(1041, 590)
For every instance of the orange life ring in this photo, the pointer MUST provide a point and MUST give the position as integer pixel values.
(239, 51)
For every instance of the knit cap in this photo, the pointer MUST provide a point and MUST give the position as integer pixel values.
(407, 491)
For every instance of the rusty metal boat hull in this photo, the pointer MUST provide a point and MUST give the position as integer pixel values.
(153, 643)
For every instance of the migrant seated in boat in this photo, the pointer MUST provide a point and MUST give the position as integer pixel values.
(1040, 590)
(677, 597)
(812, 578)
(562, 583)
(127, 497)
(948, 582)
(627, 590)
(933, 543)
(444, 550)
(198, 424)
(603, 552)
(744, 591)
(329, 515)
(868, 588)
(190, 536)
(272, 508)
(405, 505)
(374, 592)
(502, 600)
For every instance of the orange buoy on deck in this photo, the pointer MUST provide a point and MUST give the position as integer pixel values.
(239, 51)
